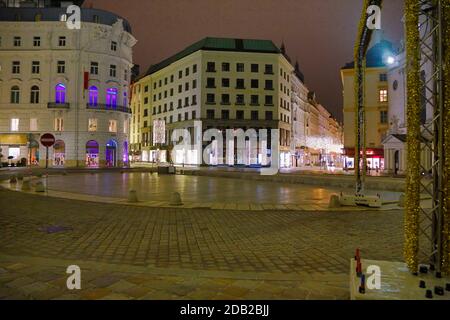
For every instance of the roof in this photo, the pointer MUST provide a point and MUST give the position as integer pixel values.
(218, 44)
(376, 56)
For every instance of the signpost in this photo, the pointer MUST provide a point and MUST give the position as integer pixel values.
(47, 140)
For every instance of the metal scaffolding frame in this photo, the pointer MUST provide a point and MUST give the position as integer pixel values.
(432, 135)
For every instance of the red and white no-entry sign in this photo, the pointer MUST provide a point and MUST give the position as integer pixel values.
(47, 140)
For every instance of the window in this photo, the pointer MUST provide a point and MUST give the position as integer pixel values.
(240, 115)
(186, 101)
(165, 93)
(62, 41)
(61, 67)
(383, 116)
(63, 17)
(194, 100)
(383, 77)
(255, 83)
(254, 115)
(94, 67)
(180, 88)
(92, 124)
(111, 97)
(269, 115)
(240, 84)
(194, 115)
(125, 75)
(180, 74)
(268, 100)
(112, 70)
(179, 104)
(59, 124)
(93, 96)
(35, 67)
(34, 94)
(239, 67)
(269, 85)
(15, 94)
(60, 93)
(194, 84)
(186, 86)
(210, 83)
(145, 112)
(33, 124)
(210, 98)
(165, 81)
(186, 116)
(17, 41)
(225, 99)
(383, 95)
(186, 72)
(225, 66)
(14, 124)
(254, 100)
(255, 67)
(113, 46)
(171, 92)
(146, 88)
(112, 127)
(171, 78)
(268, 69)
(240, 99)
(36, 41)
(16, 67)
(210, 114)
(225, 82)
(125, 126)
(194, 68)
(225, 114)
(211, 67)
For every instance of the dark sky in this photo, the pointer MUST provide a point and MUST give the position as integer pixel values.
(319, 33)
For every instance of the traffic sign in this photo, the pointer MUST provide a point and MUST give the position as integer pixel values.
(47, 140)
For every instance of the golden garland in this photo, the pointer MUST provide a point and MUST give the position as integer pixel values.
(412, 201)
(362, 25)
(446, 105)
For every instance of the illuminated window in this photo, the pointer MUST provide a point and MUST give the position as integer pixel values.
(33, 124)
(111, 97)
(14, 124)
(59, 124)
(383, 95)
(60, 93)
(112, 127)
(92, 124)
(93, 96)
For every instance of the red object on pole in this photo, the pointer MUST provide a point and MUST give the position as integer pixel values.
(357, 255)
(86, 80)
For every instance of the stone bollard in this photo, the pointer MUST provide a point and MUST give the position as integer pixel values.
(334, 201)
(175, 199)
(401, 201)
(132, 196)
(26, 185)
(39, 187)
(13, 180)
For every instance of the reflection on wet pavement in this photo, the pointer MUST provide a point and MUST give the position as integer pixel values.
(196, 188)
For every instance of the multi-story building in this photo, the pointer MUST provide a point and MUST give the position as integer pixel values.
(225, 84)
(376, 105)
(72, 83)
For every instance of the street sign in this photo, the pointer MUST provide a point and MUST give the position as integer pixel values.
(47, 140)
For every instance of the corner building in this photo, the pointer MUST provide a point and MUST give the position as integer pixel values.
(71, 83)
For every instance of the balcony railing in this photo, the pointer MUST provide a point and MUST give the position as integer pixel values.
(58, 105)
(105, 107)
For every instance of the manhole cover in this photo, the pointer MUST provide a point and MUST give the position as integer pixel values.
(55, 229)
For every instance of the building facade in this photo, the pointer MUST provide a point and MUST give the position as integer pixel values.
(376, 106)
(72, 83)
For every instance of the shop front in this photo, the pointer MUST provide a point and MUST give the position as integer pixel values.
(374, 158)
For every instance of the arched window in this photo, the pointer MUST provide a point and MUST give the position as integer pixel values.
(15, 94)
(125, 100)
(34, 96)
(60, 93)
(93, 96)
(111, 97)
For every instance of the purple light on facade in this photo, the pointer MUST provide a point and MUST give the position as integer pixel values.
(93, 96)
(60, 93)
(125, 100)
(111, 97)
(125, 152)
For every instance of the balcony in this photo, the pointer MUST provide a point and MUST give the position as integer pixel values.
(105, 107)
(58, 105)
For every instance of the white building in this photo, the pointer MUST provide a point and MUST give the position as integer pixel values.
(67, 82)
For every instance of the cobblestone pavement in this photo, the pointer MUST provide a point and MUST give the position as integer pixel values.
(138, 252)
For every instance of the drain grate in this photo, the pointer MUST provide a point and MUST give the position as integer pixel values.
(55, 229)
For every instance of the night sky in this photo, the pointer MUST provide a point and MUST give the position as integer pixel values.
(319, 34)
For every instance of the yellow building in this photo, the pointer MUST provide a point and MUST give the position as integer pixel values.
(376, 105)
(225, 84)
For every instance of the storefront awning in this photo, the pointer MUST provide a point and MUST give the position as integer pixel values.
(13, 138)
